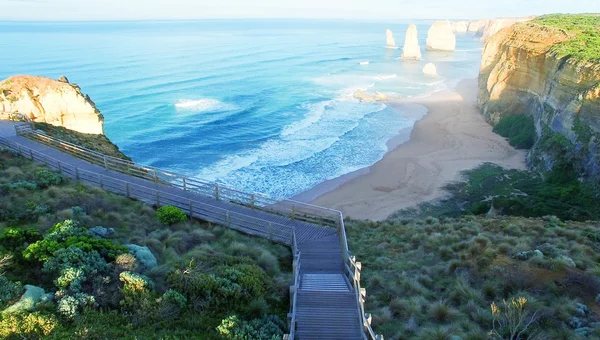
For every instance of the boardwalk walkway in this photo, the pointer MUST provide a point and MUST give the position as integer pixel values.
(325, 294)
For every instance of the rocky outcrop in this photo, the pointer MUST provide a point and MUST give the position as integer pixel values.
(477, 27)
(460, 27)
(411, 49)
(430, 70)
(368, 98)
(521, 73)
(440, 37)
(389, 39)
(50, 101)
(28, 301)
(495, 25)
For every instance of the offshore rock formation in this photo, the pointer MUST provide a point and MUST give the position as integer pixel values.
(430, 70)
(411, 49)
(368, 98)
(522, 73)
(460, 26)
(50, 101)
(389, 39)
(440, 37)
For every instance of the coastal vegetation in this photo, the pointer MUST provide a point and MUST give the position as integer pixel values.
(101, 266)
(519, 129)
(95, 142)
(585, 31)
(473, 276)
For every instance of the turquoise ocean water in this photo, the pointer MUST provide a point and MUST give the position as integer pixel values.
(262, 105)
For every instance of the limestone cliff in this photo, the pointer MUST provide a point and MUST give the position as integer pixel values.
(50, 101)
(522, 71)
(495, 25)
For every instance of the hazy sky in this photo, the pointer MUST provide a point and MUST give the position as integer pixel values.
(368, 9)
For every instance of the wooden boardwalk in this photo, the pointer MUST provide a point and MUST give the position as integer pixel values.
(326, 293)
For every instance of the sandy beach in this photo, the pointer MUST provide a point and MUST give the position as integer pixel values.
(452, 137)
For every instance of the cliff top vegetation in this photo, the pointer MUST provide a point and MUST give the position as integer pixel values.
(585, 29)
(187, 279)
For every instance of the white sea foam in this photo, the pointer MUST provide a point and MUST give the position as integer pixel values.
(364, 63)
(203, 105)
(325, 124)
(386, 76)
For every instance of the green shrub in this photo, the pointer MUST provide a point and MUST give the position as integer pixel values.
(70, 306)
(27, 326)
(268, 328)
(519, 129)
(72, 267)
(21, 185)
(250, 278)
(9, 291)
(13, 238)
(207, 291)
(68, 234)
(46, 178)
(169, 215)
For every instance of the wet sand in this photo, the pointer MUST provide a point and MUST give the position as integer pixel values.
(453, 136)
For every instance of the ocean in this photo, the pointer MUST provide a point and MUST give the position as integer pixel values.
(262, 105)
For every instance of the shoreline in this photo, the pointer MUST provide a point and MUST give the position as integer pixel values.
(451, 137)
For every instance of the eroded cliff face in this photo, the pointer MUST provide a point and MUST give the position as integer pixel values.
(50, 101)
(520, 74)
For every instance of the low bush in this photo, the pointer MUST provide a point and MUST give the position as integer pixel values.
(268, 328)
(9, 291)
(169, 215)
(14, 238)
(46, 178)
(27, 326)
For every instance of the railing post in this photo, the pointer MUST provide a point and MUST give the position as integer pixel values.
(100, 179)
(77, 174)
(184, 185)
(31, 154)
(293, 213)
(105, 162)
(157, 198)
(227, 218)
(155, 177)
(45, 160)
(59, 166)
(217, 191)
(127, 189)
(252, 200)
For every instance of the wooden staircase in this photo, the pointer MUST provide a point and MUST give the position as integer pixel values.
(326, 306)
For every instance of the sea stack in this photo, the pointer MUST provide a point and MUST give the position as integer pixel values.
(389, 39)
(411, 49)
(440, 37)
(51, 101)
(430, 70)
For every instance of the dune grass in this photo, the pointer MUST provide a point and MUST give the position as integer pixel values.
(433, 279)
